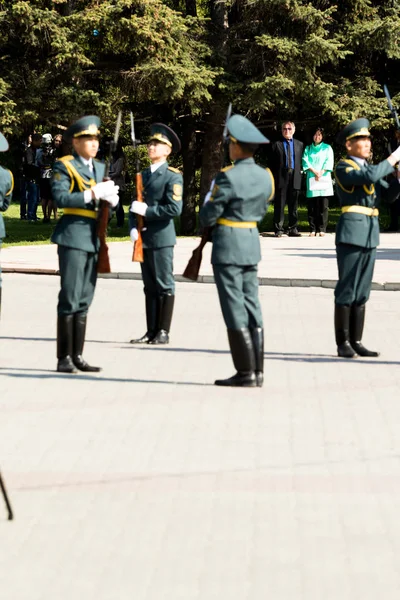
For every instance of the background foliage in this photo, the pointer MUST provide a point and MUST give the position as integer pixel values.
(182, 61)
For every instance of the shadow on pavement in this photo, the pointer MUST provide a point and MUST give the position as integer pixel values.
(48, 374)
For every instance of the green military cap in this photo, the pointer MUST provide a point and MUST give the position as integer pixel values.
(85, 126)
(357, 128)
(243, 130)
(3, 143)
(165, 135)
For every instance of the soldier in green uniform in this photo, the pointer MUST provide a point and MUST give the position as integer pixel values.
(6, 189)
(77, 186)
(162, 195)
(238, 201)
(359, 188)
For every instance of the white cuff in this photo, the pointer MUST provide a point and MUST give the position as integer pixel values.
(87, 196)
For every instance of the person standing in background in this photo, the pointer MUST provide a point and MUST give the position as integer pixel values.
(6, 189)
(318, 164)
(32, 173)
(286, 168)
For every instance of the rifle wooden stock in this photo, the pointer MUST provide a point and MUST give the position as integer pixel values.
(103, 261)
(138, 247)
(193, 267)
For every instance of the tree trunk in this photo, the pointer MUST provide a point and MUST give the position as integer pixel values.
(191, 8)
(188, 218)
(215, 120)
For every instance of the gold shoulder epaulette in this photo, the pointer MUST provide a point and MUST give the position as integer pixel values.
(67, 158)
(174, 170)
(227, 168)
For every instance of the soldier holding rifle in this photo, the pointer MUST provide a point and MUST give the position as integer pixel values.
(359, 188)
(238, 201)
(77, 187)
(162, 201)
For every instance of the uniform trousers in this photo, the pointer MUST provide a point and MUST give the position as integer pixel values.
(286, 195)
(78, 273)
(157, 271)
(238, 295)
(356, 268)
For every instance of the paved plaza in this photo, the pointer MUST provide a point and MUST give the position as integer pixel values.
(146, 482)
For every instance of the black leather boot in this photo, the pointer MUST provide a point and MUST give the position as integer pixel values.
(257, 335)
(65, 330)
(152, 311)
(79, 341)
(342, 333)
(242, 350)
(165, 318)
(357, 318)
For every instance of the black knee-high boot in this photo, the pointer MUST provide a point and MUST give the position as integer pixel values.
(357, 318)
(242, 351)
(79, 341)
(257, 335)
(152, 315)
(65, 334)
(342, 331)
(165, 317)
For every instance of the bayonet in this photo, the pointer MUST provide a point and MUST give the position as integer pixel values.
(393, 110)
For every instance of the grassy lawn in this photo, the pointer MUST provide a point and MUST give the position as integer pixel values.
(23, 233)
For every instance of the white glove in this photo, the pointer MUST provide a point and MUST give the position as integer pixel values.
(208, 195)
(104, 189)
(139, 208)
(134, 235)
(394, 157)
(113, 200)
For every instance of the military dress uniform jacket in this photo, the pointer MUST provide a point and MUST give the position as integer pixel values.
(361, 185)
(162, 192)
(6, 189)
(70, 179)
(239, 200)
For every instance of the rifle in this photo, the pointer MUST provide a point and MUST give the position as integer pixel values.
(193, 267)
(392, 109)
(6, 500)
(103, 262)
(137, 255)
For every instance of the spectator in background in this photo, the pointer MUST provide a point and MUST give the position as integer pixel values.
(59, 151)
(318, 166)
(286, 168)
(23, 185)
(394, 208)
(45, 160)
(32, 175)
(117, 174)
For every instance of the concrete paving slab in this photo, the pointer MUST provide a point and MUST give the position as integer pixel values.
(145, 481)
(297, 262)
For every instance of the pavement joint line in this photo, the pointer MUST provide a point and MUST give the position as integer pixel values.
(294, 282)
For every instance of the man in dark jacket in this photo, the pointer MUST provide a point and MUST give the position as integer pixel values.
(286, 157)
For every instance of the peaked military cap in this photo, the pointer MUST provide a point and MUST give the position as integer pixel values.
(164, 134)
(357, 128)
(85, 126)
(243, 130)
(3, 143)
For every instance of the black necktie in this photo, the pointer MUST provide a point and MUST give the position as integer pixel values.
(289, 156)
